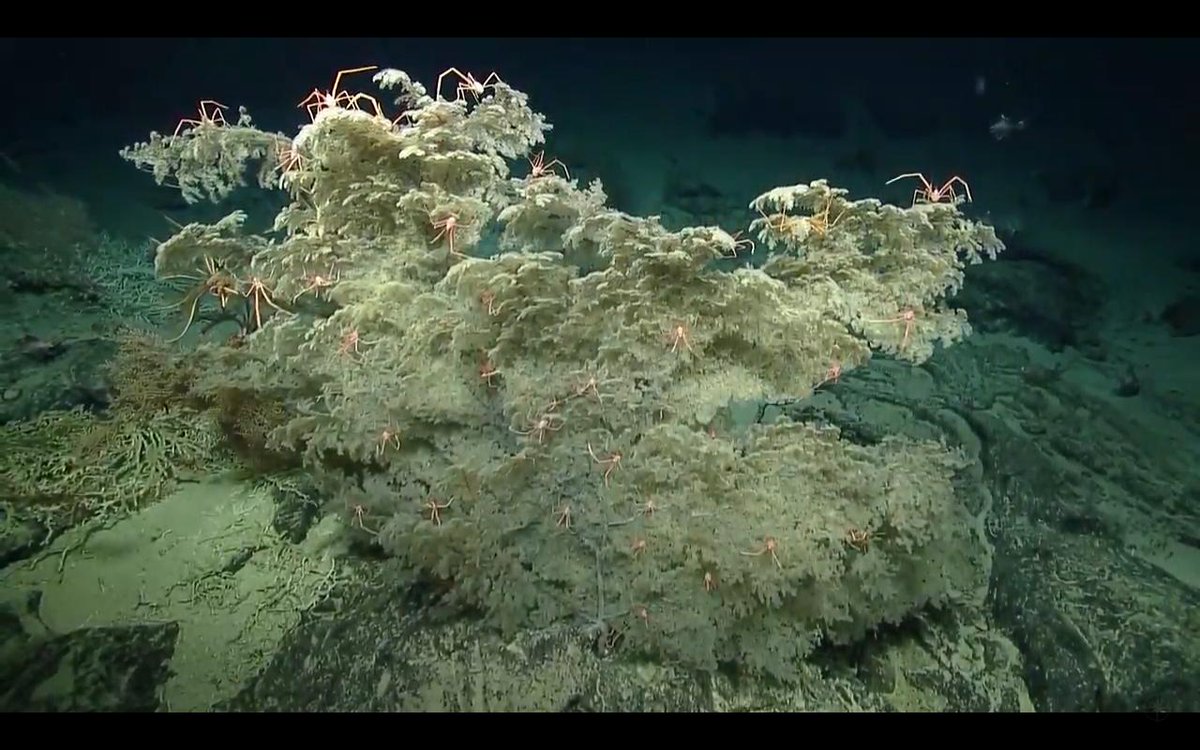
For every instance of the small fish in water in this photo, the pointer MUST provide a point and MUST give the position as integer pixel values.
(1005, 126)
(980, 85)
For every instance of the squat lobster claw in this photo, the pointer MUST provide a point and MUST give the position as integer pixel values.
(927, 193)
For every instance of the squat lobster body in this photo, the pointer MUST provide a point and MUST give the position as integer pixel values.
(927, 193)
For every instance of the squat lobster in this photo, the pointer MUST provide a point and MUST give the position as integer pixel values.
(611, 462)
(927, 193)
(907, 316)
(211, 113)
(468, 84)
(215, 280)
(336, 98)
(540, 426)
(257, 292)
(448, 229)
(539, 167)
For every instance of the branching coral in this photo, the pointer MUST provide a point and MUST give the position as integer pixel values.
(65, 467)
(548, 422)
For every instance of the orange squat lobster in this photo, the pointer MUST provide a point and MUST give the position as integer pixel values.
(467, 84)
(211, 113)
(337, 98)
(927, 193)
